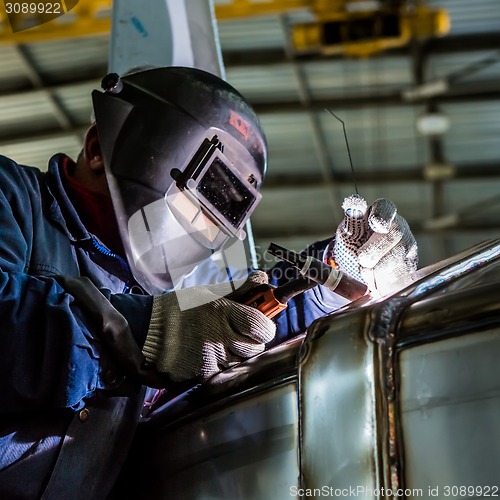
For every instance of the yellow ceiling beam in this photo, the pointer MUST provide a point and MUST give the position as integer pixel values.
(92, 17)
(248, 8)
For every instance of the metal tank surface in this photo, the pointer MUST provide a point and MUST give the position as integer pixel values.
(390, 398)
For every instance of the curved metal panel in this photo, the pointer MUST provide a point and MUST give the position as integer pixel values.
(359, 407)
(247, 450)
(337, 408)
(450, 409)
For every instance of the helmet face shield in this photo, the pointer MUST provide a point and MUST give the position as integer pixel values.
(184, 157)
(162, 252)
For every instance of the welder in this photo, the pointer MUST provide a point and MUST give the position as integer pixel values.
(123, 270)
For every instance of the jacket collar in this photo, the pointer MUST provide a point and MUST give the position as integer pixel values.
(61, 210)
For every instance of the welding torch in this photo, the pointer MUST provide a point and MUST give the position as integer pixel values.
(321, 273)
(272, 300)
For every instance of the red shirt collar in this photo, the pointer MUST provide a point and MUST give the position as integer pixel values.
(95, 209)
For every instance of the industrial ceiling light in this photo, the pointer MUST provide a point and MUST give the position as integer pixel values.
(433, 124)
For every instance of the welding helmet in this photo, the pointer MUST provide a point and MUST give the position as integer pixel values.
(185, 157)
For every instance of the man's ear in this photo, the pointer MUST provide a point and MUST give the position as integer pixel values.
(92, 150)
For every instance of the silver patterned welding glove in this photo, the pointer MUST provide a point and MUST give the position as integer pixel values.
(194, 333)
(375, 245)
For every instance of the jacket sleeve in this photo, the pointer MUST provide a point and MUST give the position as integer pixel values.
(52, 352)
(304, 308)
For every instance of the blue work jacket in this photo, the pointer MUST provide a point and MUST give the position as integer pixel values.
(68, 412)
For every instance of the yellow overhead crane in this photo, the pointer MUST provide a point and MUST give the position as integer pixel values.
(362, 33)
(349, 27)
(344, 27)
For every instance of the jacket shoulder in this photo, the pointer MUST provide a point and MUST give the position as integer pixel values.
(18, 179)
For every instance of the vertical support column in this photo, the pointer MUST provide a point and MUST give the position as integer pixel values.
(205, 44)
(168, 33)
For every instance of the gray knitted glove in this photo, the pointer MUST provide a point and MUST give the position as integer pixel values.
(198, 342)
(375, 245)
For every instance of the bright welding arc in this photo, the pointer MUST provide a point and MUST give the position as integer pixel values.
(348, 149)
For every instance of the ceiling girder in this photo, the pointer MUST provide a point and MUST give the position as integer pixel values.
(444, 45)
(477, 91)
(380, 176)
(45, 135)
(276, 233)
(272, 56)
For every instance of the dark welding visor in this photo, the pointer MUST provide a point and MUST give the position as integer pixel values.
(211, 182)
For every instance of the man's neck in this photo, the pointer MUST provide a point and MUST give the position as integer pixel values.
(94, 206)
